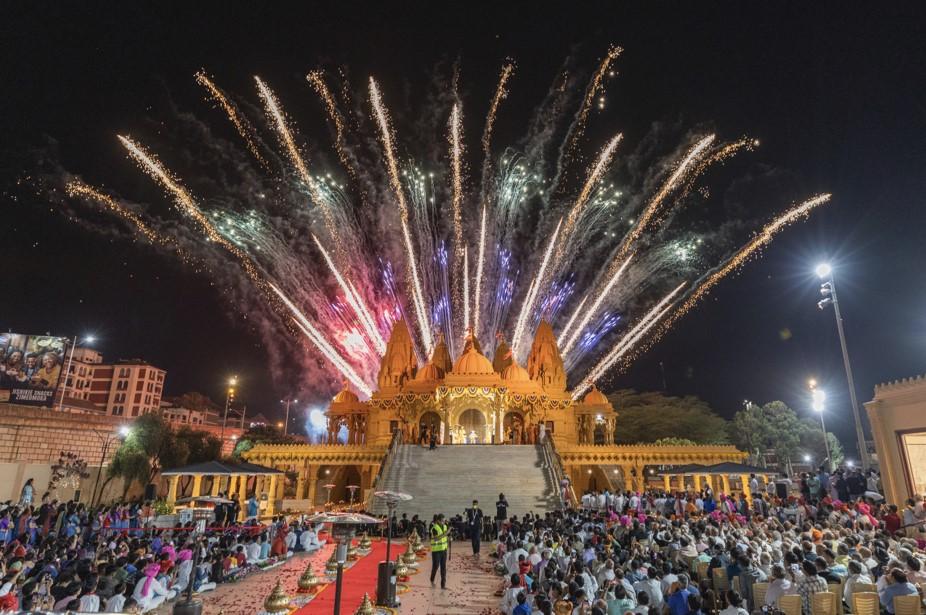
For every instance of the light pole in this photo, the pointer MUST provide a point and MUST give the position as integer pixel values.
(828, 290)
(229, 398)
(286, 402)
(88, 339)
(817, 404)
(106, 442)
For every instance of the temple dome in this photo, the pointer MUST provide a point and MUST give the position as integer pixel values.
(595, 397)
(515, 373)
(473, 363)
(345, 396)
(428, 373)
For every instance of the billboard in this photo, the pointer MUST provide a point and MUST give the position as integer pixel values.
(30, 368)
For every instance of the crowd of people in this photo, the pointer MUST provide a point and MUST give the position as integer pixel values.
(65, 556)
(661, 552)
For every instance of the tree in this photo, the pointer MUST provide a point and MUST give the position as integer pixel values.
(153, 446)
(262, 434)
(674, 442)
(770, 427)
(649, 417)
(812, 442)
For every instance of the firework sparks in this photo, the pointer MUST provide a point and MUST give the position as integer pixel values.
(322, 344)
(316, 79)
(355, 301)
(78, 189)
(385, 135)
(594, 307)
(480, 262)
(466, 289)
(533, 292)
(627, 341)
(568, 326)
(241, 124)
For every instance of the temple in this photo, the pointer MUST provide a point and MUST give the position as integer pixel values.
(471, 400)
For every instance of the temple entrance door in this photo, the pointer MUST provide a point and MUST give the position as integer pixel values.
(471, 428)
(429, 421)
(513, 428)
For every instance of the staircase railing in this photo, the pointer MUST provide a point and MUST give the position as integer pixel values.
(554, 465)
(397, 439)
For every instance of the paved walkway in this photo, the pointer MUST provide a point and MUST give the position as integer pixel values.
(246, 597)
(471, 586)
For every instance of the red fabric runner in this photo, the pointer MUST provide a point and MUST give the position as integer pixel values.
(358, 579)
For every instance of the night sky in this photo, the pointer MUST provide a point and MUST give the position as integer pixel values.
(836, 94)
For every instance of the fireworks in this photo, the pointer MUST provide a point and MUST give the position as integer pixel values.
(240, 123)
(385, 135)
(610, 275)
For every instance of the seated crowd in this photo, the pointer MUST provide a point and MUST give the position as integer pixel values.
(671, 553)
(67, 557)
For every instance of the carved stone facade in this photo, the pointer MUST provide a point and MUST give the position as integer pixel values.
(475, 401)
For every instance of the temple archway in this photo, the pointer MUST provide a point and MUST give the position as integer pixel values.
(471, 428)
(430, 420)
(513, 426)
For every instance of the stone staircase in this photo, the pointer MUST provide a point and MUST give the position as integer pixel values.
(449, 478)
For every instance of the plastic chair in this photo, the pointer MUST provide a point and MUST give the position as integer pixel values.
(823, 603)
(790, 604)
(838, 589)
(702, 569)
(758, 595)
(721, 582)
(865, 603)
(908, 605)
(865, 587)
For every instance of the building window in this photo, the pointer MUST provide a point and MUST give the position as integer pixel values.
(141, 374)
(124, 372)
(118, 410)
(134, 410)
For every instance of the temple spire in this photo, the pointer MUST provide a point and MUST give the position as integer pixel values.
(544, 364)
(399, 363)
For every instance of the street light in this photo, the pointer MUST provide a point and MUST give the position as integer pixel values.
(286, 402)
(807, 458)
(229, 398)
(87, 339)
(343, 528)
(828, 290)
(105, 442)
(817, 404)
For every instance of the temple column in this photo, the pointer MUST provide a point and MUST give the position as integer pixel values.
(745, 479)
(681, 483)
(242, 496)
(300, 483)
(628, 479)
(216, 483)
(667, 480)
(313, 484)
(697, 481)
(172, 488)
(232, 485)
(725, 481)
(197, 484)
(271, 499)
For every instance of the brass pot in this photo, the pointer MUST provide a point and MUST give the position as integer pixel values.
(277, 601)
(366, 607)
(352, 553)
(409, 556)
(308, 582)
(331, 566)
(365, 542)
(401, 570)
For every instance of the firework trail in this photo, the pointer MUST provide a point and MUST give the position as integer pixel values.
(577, 129)
(316, 79)
(480, 261)
(322, 344)
(355, 301)
(456, 178)
(78, 189)
(536, 284)
(385, 135)
(568, 326)
(627, 341)
(466, 309)
(594, 307)
(500, 93)
(237, 119)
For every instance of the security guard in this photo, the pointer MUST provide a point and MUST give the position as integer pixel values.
(439, 535)
(474, 525)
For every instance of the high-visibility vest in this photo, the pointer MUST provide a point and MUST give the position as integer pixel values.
(438, 542)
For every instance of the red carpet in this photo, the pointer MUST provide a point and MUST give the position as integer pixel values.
(358, 579)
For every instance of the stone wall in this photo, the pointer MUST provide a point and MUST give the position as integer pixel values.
(32, 439)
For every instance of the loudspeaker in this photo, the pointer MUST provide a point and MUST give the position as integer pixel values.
(385, 585)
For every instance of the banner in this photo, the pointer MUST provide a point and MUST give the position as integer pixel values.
(30, 368)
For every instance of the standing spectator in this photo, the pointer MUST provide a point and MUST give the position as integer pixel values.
(501, 509)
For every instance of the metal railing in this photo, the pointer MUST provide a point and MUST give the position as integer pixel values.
(554, 465)
(397, 439)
